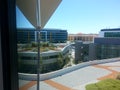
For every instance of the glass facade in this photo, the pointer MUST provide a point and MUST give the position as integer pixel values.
(112, 34)
(96, 51)
(28, 52)
(54, 35)
(25, 36)
(9, 54)
(107, 51)
(47, 35)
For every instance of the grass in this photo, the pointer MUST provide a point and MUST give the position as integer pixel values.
(107, 84)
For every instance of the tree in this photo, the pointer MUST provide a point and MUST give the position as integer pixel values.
(60, 60)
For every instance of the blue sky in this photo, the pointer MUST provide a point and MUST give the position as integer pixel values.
(81, 16)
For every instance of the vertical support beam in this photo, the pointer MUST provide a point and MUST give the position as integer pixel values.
(38, 18)
(38, 61)
(1, 69)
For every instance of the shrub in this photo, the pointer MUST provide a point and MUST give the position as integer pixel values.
(45, 44)
(34, 44)
(118, 76)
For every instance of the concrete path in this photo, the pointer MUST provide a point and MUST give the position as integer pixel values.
(76, 80)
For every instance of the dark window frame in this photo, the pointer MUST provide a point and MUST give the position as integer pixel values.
(8, 45)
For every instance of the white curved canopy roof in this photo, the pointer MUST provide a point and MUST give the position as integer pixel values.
(30, 11)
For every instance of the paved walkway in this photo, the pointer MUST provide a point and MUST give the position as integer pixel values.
(28, 85)
(112, 75)
(76, 80)
(57, 85)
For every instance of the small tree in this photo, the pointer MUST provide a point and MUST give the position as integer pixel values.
(60, 60)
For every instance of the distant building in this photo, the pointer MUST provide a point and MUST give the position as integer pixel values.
(110, 32)
(54, 35)
(50, 60)
(81, 51)
(107, 45)
(104, 50)
(82, 37)
(27, 35)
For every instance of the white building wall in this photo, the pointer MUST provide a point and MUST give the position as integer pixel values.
(101, 34)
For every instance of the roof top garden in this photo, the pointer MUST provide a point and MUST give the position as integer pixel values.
(33, 47)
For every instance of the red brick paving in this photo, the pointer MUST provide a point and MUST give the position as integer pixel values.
(28, 85)
(112, 75)
(57, 85)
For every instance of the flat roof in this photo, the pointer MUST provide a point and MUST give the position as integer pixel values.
(114, 29)
(108, 41)
(45, 29)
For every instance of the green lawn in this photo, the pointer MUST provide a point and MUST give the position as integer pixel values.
(107, 84)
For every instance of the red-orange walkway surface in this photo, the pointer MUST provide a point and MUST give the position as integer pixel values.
(59, 86)
(113, 73)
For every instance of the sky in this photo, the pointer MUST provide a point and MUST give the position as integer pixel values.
(81, 16)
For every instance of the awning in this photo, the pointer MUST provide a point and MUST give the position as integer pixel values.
(47, 8)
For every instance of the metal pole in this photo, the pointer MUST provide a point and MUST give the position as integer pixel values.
(38, 18)
(38, 61)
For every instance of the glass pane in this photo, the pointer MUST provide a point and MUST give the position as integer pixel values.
(27, 57)
(48, 60)
(53, 56)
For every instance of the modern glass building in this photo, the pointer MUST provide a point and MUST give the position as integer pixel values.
(49, 60)
(54, 35)
(107, 51)
(107, 45)
(110, 32)
(81, 51)
(26, 35)
(100, 49)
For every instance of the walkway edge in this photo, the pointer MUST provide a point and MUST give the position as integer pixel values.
(54, 74)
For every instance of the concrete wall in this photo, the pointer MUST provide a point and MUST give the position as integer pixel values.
(65, 70)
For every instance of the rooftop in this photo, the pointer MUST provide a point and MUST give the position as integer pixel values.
(77, 79)
(111, 29)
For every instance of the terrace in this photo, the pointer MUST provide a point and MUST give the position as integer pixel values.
(75, 77)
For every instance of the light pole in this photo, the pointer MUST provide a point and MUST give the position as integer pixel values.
(38, 19)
